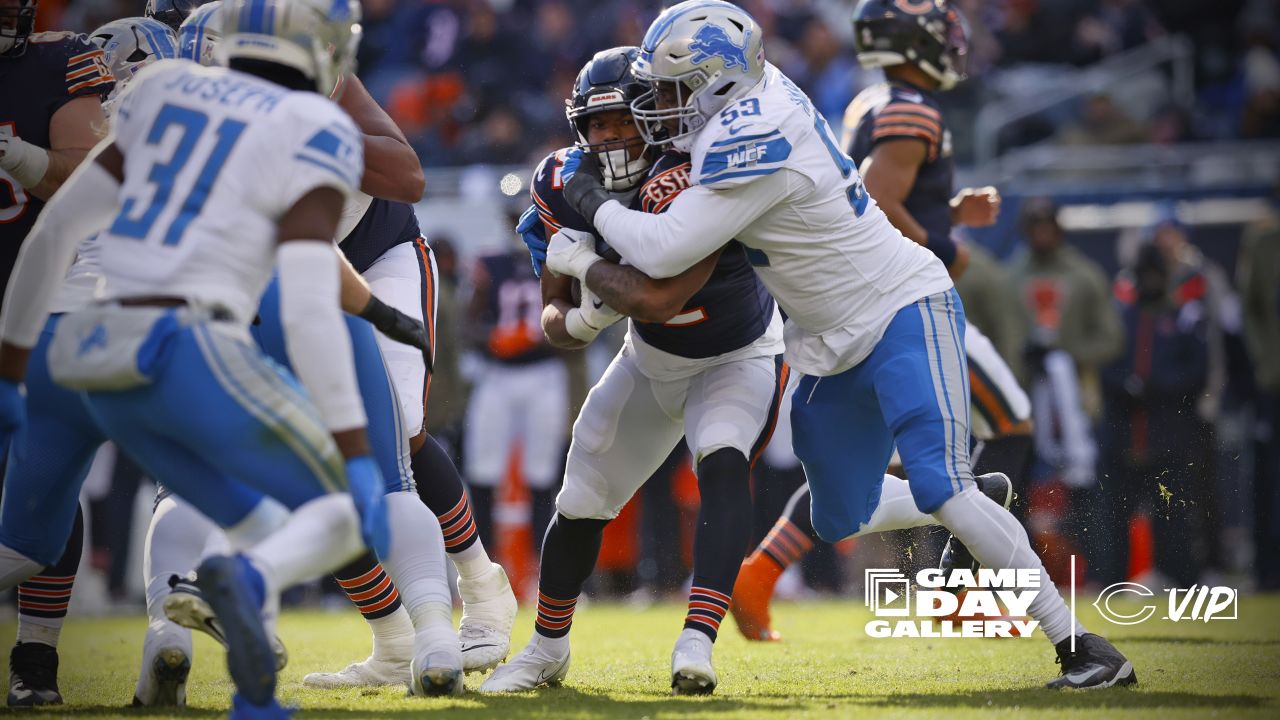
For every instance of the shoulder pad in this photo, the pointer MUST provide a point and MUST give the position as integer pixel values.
(668, 178)
(547, 193)
(326, 136)
(740, 152)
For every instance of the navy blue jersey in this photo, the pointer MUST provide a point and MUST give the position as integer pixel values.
(731, 311)
(385, 224)
(56, 68)
(895, 111)
(512, 312)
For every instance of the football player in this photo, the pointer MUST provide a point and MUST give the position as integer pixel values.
(700, 361)
(874, 324)
(51, 90)
(178, 297)
(896, 133)
(380, 236)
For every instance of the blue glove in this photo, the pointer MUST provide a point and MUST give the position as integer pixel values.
(534, 235)
(13, 415)
(572, 160)
(368, 492)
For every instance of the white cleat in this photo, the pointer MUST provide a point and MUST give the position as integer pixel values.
(691, 671)
(164, 684)
(437, 662)
(370, 673)
(186, 606)
(531, 667)
(488, 612)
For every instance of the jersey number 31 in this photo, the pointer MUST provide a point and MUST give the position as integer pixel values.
(164, 174)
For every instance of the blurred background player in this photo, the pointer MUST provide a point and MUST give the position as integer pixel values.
(51, 89)
(896, 134)
(520, 400)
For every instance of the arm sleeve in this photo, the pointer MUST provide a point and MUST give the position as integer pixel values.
(315, 332)
(81, 208)
(696, 224)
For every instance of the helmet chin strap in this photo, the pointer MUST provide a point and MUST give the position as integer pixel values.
(631, 171)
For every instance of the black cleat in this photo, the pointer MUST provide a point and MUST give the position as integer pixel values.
(1096, 663)
(33, 675)
(955, 555)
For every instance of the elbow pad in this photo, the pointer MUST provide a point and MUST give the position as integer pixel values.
(315, 331)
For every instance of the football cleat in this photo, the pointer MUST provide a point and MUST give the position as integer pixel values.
(751, 596)
(691, 671)
(955, 555)
(187, 607)
(531, 667)
(1095, 663)
(437, 662)
(33, 675)
(236, 593)
(370, 673)
(488, 611)
(165, 683)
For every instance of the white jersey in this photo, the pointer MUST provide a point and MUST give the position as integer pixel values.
(768, 172)
(213, 159)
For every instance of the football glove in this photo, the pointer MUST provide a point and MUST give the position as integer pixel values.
(591, 316)
(571, 253)
(398, 326)
(584, 189)
(533, 234)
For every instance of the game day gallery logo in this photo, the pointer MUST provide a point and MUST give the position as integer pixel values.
(994, 603)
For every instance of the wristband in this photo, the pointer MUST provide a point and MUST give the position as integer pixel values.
(577, 326)
(25, 162)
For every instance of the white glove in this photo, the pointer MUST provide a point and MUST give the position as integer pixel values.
(591, 316)
(24, 162)
(571, 253)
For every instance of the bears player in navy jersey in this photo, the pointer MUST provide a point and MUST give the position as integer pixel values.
(521, 394)
(897, 135)
(51, 90)
(700, 361)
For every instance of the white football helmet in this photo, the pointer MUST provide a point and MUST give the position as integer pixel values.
(200, 33)
(131, 44)
(698, 56)
(315, 37)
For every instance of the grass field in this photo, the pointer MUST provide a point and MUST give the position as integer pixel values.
(827, 667)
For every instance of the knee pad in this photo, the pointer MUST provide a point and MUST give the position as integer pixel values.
(585, 495)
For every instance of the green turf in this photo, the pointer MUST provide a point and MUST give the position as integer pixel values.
(827, 667)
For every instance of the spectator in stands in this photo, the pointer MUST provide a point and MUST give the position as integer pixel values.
(1075, 331)
(1151, 429)
(1102, 122)
(993, 303)
(1112, 27)
(1261, 65)
(1259, 278)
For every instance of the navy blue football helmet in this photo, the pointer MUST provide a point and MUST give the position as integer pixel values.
(929, 34)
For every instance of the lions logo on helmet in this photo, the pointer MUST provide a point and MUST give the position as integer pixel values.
(698, 57)
(131, 44)
(712, 41)
(200, 33)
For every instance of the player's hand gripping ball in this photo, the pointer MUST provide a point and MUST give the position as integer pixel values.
(572, 253)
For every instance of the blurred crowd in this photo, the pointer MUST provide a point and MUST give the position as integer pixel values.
(483, 81)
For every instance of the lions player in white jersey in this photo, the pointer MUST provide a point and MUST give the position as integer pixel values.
(874, 323)
(197, 157)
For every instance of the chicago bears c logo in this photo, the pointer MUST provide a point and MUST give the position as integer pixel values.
(712, 41)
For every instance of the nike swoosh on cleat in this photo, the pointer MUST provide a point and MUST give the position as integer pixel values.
(1080, 677)
(477, 647)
